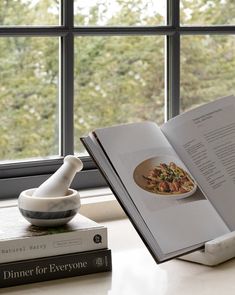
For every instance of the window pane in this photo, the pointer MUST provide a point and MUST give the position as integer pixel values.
(29, 12)
(118, 80)
(119, 12)
(28, 97)
(207, 69)
(207, 12)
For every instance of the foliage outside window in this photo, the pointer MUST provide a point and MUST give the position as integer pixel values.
(68, 67)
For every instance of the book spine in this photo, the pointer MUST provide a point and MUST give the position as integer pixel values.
(53, 244)
(56, 267)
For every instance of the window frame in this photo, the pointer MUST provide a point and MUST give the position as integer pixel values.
(16, 177)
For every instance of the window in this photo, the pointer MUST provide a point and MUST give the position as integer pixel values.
(68, 67)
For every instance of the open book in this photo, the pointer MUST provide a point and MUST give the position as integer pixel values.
(176, 182)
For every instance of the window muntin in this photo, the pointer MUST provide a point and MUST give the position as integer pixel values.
(19, 12)
(207, 68)
(29, 75)
(122, 82)
(119, 12)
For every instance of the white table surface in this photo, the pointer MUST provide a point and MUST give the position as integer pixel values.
(136, 273)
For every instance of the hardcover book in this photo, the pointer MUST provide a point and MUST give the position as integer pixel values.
(176, 182)
(55, 267)
(18, 238)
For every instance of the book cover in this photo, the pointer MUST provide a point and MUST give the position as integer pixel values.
(19, 238)
(56, 267)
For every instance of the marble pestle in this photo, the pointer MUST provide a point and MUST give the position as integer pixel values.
(59, 183)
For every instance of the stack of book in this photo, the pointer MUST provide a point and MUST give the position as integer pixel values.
(31, 254)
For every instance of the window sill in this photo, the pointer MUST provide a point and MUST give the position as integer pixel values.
(135, 272)
(98, 204)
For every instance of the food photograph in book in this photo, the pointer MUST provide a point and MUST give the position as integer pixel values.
(161, 178)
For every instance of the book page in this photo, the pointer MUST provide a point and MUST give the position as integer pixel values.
(205, 139)
(122, 195)
(177, 219)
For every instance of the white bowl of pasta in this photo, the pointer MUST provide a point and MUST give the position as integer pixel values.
(165, 176)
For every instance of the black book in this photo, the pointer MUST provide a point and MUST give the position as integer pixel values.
(55, 267)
